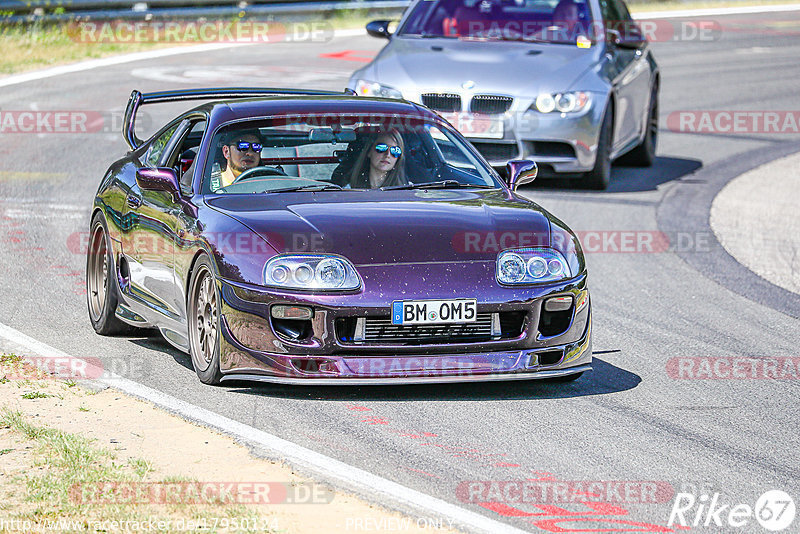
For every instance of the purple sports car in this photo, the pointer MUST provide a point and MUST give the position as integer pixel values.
(312, 237)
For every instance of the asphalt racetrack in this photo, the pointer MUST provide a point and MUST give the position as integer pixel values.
(642, 415)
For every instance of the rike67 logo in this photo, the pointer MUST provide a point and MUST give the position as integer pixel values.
(774, 511)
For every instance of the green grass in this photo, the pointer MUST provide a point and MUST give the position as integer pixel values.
(36, 395)
(65, 463)
(38, 45)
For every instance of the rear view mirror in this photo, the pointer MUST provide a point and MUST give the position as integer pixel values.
(321, 135)
(345, 136)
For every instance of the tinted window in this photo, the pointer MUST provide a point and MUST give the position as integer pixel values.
(534, 20)
(158, 145)
(352, 152)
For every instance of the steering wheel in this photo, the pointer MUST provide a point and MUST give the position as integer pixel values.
(259, 171)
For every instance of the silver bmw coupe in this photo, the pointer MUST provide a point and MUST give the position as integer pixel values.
(571, 84)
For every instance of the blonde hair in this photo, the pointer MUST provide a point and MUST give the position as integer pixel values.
(396, 176)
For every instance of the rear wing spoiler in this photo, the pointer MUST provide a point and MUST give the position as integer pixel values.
(138, 99)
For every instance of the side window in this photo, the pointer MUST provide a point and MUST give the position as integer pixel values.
(157, 147)
(185, 155)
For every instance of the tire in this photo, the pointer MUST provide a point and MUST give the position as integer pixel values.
(101, 291)
(600, 176)
(204, 325)
(567, 378)
(645, 153)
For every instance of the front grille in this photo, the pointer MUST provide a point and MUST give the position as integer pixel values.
(490, 104)
(380, 330)
(497, 151)
(445, 102)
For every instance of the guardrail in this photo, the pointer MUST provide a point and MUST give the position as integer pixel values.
(14, 11)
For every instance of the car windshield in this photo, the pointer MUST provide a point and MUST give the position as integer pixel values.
(557, 21)
(333, 152)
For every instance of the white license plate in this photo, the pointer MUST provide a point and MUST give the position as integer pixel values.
(434, 311)
(472, 125)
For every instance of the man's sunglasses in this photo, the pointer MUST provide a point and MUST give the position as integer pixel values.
(395, 151)
(244, 145)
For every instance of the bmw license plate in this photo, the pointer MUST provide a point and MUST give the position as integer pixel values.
(476, 125)
(434, 311)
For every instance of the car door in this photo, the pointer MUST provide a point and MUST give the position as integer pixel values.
(148, 245)
(629, 73)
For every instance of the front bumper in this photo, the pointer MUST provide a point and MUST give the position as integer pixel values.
(252, 349)
(561, 142)
(558, 142)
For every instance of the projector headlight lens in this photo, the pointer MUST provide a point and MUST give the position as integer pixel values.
(531, 266)
(568, 102)
(311, 271)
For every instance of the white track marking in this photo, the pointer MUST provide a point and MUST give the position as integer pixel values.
(128, 58)
(317, 463)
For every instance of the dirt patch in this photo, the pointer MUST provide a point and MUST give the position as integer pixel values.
(159, 468)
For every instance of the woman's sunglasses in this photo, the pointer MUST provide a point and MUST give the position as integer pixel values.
(395, 151)
(244, 145)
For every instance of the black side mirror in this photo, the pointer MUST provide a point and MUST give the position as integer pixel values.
(158, 179)
(379, 28)
(520, 172)
(631, 38)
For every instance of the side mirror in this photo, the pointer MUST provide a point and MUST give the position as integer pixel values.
(632, 39)
(158, 179)
(379, 28)
(520, 172)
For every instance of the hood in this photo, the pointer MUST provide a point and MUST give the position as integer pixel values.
(505, 67)
(385, 227)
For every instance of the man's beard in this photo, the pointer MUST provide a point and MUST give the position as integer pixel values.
(237, 169)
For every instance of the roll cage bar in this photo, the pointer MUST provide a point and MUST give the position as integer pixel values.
(138, 99)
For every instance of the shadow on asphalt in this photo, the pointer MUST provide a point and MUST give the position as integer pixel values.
(627, 179)
(603, 379)
(155, 341)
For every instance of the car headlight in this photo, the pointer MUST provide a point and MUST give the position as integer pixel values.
(569, 102)
(366, 88)
(531, 266)
(311, 271)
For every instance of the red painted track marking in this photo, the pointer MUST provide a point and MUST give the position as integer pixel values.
(423, 472)
(362, 56)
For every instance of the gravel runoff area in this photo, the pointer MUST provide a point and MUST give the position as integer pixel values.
(756, 217)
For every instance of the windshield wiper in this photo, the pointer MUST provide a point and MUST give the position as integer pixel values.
(309, 187)
(443, 184)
